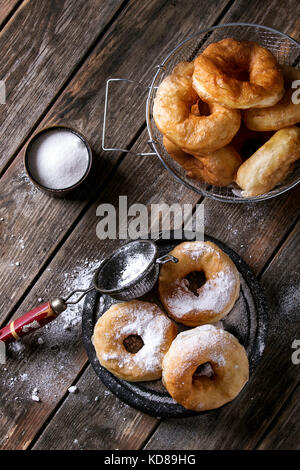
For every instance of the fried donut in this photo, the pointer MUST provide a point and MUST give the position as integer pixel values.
(172, 113)
(131, 339)
(283, 114)
(270, 164)
(199, 346)
(214, 299)
(238, 74)
(218, 169)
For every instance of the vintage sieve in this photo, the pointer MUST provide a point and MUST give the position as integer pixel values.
(128, 273)
(285, 49)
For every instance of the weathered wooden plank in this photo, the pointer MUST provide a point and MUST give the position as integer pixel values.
(114, 424)
(242, 423)
(71, 267)
(6, 7)
(285, 430)
(41, 47)
(127, 174)
(122, 173)
(22, 418)
(81, 106)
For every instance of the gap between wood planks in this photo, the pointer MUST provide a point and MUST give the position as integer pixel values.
(64, 85)
(10, 14)
(65, 238)
(156, 425)
(120, 159)
(287, 398)
(114, 168)
(70, 230)
(280, 413)
(76, 70)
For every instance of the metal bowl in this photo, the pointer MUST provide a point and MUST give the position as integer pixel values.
(287, 52)
(58, 193)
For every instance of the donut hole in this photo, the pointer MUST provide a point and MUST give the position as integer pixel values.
(133, 343)
(204, 370)
(196, 279)
(238, 72)
(200, 109)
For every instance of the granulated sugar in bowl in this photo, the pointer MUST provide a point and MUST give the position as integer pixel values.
(58, 159)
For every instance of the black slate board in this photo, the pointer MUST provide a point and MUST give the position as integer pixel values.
(247, 321)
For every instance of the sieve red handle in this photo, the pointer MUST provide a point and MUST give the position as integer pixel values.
(30, 321)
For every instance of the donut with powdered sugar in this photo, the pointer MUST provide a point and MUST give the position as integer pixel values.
(203, 346)
(213, 300)
(131, 339)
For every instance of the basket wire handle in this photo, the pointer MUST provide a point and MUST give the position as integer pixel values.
(116, 149)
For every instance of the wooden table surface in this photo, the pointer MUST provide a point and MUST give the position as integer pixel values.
(55, 59)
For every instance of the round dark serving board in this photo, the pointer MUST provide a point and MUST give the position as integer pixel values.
(247, 321)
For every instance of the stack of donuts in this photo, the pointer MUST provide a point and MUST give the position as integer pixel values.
(211, 110)
(203, 367)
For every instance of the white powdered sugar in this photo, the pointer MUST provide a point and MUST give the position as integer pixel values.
(197, 249)
(213, 296)
(151, 326)
(135, 266)
(31, 326)
(203, 338)
(58, 159)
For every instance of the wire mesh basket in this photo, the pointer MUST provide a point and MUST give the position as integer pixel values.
(287, 52)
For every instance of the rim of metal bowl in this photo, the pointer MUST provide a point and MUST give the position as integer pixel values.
(152, 90)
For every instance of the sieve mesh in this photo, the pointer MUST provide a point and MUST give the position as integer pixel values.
(287, 52)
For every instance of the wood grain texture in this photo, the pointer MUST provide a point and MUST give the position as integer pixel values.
(81, 104)
(126, 174)
(40, 49)
(242, 423)
(285, 429)
(6, 7)
(61, 356)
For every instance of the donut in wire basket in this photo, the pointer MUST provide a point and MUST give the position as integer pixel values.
(205, 346)
(271, 163)
(131, 339)
(238, 74)
(214, 299)
(283, 114)
(194, 134)
(218, 168)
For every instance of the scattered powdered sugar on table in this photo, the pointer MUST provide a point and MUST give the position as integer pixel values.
(213, 296)
(52, 367)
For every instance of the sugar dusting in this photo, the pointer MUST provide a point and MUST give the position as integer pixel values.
(133, 268)
(52, 370)
(212, 297)
(151, 327)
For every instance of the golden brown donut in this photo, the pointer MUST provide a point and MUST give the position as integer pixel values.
(125, 325)
(271, 163)
(175, 118)
(198, 346)
(218, 168)
(238, 74)
(283, 114)
(214, 299)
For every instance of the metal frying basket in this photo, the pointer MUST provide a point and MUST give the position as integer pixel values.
(287, 52)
